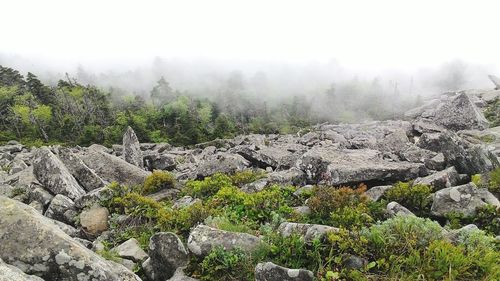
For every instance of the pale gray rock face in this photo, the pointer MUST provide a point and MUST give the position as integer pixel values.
(159, 161)
(54, 176)
(40, 195)
(269, 271)
(395, 209)
(111, 168)
(63, 209)
(223, 163)
(36, 245)
(467, 159)
(351, 166)
(167, 254)
(308, 231)
(12, 273)
(460, 113)
(87, 178)
(184, 202)
(463, 199)
(376, 192)
(17, 166)
(442, 179)
(131, 250)
(132, 149)
(179, 275)
(203, 239)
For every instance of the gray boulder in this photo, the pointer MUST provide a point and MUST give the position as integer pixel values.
(376, 192)
(82, 173)
(308, 231)
(12, 273)
(351, 166)
(167, 254)
(203, 239)
(132, 149)
(131, 250)
(54, 176)
(460, 113)
(111, 168)
(179, 275)
(34, 244)
(184, 202)
(94, 221)
(221, 162)
(463, 199)
(157, 161)
(63, 209)
(442, 179)
(395, 209)
(268, 271)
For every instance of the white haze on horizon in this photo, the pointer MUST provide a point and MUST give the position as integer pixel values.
(294, 42)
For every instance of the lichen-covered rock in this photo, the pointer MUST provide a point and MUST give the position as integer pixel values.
(376, 192)
(132, 149)
(12, 273)
(36, 245)
(395, 209)
(159, 161)
(203, 239)
(222, 162)
(179, 275)
(111, 168)
(167, 254)
(54, 176)
(40, 195)
(94, 220)
(351, 166)
(268, 271)
(131, 250)
(85, 176)
(442, 179)
(63, 209)
(308, 231)
(184, 202)
(460, 113)
(463, 199)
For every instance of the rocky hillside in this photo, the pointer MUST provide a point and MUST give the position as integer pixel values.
(377, 201)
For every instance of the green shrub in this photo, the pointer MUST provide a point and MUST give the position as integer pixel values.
(225, 265)
(414, 197)
(247, 176)
(401, 234)
(208, 186)
(156, 181)
(494, 181)
(487, 218)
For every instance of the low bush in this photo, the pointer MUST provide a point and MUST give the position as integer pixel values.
(247, 176)
(414, 197)
(227, 265)
(207, 187)
(156, 181)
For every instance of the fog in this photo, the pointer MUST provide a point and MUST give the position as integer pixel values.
(264, 50)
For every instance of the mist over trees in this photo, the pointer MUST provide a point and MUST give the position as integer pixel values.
(187, 102)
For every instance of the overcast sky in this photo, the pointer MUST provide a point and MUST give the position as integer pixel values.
(362, 34)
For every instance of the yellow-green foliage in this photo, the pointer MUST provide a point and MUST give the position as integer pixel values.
(414, 197)
(207, 187)
(247, 176)
(494, 182)
(158, 180)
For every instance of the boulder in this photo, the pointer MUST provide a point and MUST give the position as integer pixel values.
(54, 176)
(111, 168)
(376, 192)
(17, 166)
(203, 239)
(184, 202)
(293, 176)
(132, 149)
(463, 199)
(87, 178)
(268, 271)
(308, 231)
(39, 194)
(395, 209)
(157, 161)
(36, 245)
(442, 179)
(12, 273)
(467, 159)
(167, 254)
(179, 275)
(221, 162)
(265, 156)
(63, 209)
(131, 250)
(94, 221)
(352, 166)
(460, 113)
(94, 197)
